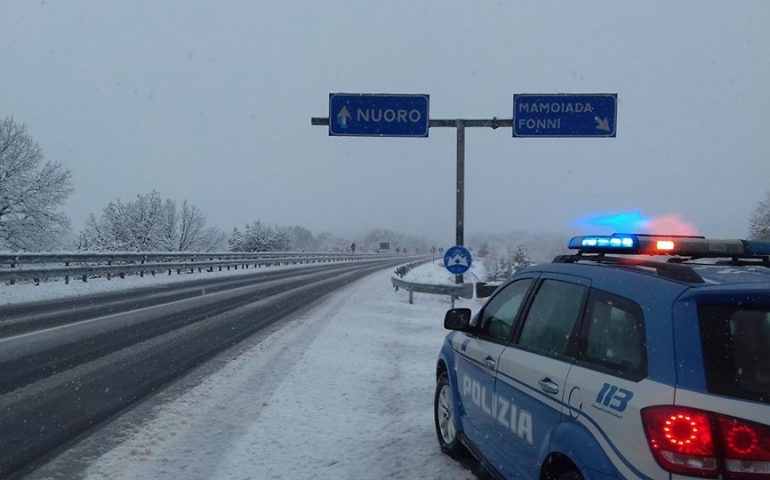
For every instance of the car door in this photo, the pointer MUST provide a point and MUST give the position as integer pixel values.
(532, 372)
(477, 356)
(606, 388)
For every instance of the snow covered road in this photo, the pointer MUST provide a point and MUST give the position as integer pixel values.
(341, 390)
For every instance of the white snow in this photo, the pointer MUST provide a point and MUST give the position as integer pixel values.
(343, 390)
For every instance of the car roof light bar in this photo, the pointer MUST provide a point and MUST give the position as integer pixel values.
(676, 245)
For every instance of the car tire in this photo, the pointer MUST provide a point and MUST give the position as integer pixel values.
(443, 416)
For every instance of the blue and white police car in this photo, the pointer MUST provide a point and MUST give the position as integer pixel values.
(614, 363)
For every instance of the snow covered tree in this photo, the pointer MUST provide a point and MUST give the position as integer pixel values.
(259, 237)
(759, 223)
(300, 239)
(31, 192)
(328, 242)
(519, 260)
(193, 234)
(484, 250)
(235, 242)
(148, 224)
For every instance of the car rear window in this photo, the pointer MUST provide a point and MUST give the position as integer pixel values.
(736, 345)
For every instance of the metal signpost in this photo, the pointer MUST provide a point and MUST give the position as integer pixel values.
(534, 115)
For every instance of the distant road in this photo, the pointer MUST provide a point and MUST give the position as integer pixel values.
(67, 364)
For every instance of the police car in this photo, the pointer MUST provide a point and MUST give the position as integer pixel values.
(614, 362)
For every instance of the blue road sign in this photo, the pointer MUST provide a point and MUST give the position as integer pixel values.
(457, 260)
(565, 115)
(378, 115)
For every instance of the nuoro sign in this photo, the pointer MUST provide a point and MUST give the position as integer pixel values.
(378, 115)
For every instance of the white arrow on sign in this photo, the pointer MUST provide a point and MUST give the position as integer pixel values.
(602, 123)
(342, 117)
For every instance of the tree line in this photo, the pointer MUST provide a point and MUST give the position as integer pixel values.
(33, 192)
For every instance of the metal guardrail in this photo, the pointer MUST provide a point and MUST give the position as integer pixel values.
(112, 264)
(464, 290)
(11, 259)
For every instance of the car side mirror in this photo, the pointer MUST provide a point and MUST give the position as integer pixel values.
(458, 319)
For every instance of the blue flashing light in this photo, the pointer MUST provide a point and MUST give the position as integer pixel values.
(757, 247)
(631, 221)
(608, 243)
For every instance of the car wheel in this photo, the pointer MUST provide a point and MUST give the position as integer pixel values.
(443, 415)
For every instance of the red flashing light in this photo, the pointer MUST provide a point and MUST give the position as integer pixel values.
(742, 440)
(681, 440)
(705, 444)
(689, 432)
(665, 245)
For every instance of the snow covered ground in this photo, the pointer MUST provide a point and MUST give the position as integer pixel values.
(341, 390)
(435, 272)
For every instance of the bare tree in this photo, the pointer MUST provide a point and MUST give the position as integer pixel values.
(192, 228)
(31, 192)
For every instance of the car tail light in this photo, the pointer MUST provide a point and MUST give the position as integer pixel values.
(706, 444)
(746, 448)
(681, 440)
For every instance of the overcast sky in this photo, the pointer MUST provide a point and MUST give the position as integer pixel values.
(211, 102)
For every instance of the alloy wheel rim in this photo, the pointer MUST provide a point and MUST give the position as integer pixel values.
(444, 415)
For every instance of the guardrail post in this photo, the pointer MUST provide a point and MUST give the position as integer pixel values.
(13, 265)
(411, 297)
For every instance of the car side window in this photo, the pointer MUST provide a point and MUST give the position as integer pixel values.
(500, 313)
(613, 335)
(551, 318)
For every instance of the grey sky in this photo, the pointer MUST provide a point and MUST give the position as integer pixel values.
(211, 101)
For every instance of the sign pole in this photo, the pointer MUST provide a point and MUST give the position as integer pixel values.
(534, 115)
(460, 221)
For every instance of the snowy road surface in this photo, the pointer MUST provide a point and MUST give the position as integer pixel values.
(341, 390)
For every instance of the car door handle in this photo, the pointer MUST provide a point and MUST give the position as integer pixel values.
(490, 362)
(548, 386)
